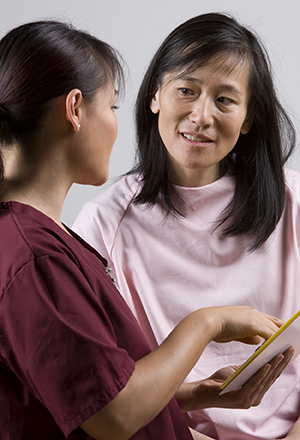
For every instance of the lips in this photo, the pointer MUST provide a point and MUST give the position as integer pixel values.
(202, 139)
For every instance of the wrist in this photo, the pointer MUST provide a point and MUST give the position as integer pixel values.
(210, 322)
(184, 396)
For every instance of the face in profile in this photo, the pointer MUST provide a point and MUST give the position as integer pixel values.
(201, 115)
(99, 132)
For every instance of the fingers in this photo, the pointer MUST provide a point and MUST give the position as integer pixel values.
(255, 389)
(265, 325)
(206, 393)
(244, 324)
(224, 373)
(277, 366)
(275, 324)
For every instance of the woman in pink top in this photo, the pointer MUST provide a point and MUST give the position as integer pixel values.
(208, 216)
(73, 361)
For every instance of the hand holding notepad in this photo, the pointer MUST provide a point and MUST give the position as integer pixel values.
(286, 336)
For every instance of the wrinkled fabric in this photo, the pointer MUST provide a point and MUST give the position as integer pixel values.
(68, 341)
(167, 267)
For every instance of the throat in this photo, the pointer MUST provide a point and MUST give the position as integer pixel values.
(193, 178)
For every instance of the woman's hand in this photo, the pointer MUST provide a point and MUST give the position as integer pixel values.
(158, 375)
(241, 323)
(205, 393)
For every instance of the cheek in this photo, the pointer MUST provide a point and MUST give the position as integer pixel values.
(165, 134)
(233, 135)
(167, 123)
(232, 126)
(111, 129)
(114, 129)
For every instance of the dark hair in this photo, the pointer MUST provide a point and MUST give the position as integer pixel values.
(42, 60)
(257, 158)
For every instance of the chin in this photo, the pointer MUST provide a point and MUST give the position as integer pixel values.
(101, 181)
(97, 182)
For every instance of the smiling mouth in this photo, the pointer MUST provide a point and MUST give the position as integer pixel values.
(194, 139)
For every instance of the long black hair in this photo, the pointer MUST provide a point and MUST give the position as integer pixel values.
(42, 60)
(257, 158)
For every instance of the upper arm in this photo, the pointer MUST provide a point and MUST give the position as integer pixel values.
(108, 423)
(57, 338)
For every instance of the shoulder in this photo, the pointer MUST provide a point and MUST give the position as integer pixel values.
(26, 233)
(118, 196)
(31, 231)
(27, 238)
(102, 215)
(292, 181)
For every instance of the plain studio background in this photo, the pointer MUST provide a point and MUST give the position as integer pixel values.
(137, 27)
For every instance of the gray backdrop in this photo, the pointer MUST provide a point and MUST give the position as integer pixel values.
(137, 27)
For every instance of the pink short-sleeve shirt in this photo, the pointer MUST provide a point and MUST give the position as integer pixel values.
(167, 267)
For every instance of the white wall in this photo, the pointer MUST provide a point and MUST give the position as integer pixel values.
(137, 27)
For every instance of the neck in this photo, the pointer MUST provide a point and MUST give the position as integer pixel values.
(37, 183)
(195, 178)
(48, 203)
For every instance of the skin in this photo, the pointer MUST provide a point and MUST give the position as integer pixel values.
(211, 107)
(71, 152)
(210, 387)
(200, 118)
(159, 374)
(294, 433)
(76, 140)
(98, 122)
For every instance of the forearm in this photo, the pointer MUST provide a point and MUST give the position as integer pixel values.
(158, 375)
(155, 380)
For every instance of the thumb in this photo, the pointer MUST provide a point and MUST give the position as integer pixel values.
(252, 340)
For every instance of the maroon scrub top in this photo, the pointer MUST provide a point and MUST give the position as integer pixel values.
(68, 341)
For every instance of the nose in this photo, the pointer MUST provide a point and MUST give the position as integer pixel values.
(202, 112)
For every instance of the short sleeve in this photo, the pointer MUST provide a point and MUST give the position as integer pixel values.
(58, 338)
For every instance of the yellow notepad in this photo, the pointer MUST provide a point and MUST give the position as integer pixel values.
(286, 336)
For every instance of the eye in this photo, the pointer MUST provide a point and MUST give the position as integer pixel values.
(186, 91)
(114, 108)
(224, 100)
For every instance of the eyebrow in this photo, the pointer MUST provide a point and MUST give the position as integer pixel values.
(222, 86)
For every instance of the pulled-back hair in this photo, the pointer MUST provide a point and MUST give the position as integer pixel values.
(257, 158)
(42, 60)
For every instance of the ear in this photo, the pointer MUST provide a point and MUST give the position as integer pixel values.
(155, 102)
(73, 108)
(247, 124)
